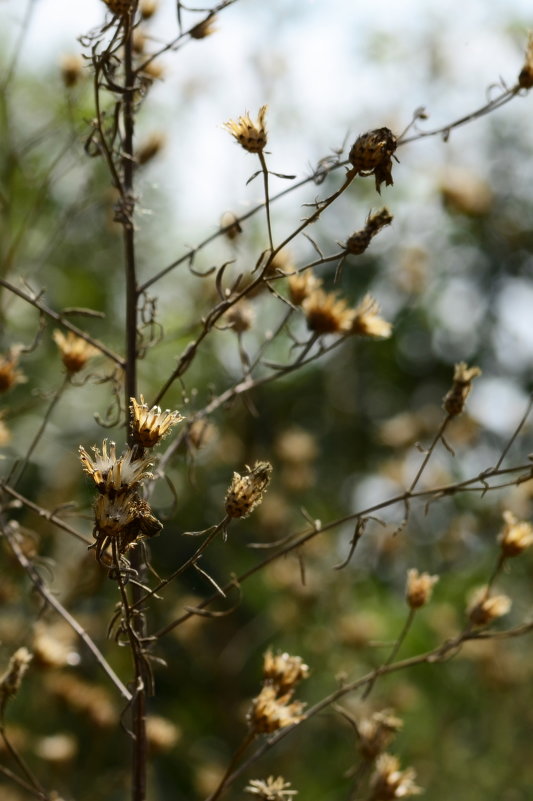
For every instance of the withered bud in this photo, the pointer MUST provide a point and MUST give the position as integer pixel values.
(302, 285)
(360, 240)
(149, 426)
(252, 136)
(75, 351)
(525, 79)
(204, 28)
(270, 712)
(371, 154)
(246, 492)
(326, 313)
(284, 671)
(419, 588)
(389, 782)
(516, 535)
(148, 8)
(12, 678)
(271, 790)
(71, 69)
(455, 399)
(367, 322)
(484, 608)
(377, 732)
(230, 224)
(111, 475)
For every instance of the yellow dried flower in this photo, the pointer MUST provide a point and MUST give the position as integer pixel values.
(149, 426)
(75, 351)
(246, 492)
(389, 782)
(371, 154)
(114, 476)
(455, 399)
(204, 28)
(376, 733)
(12, 678)
(326, 314)
(302, 285)
(419, 588)
(283, 671)
(71, 69)
(516, 535)
(271, 790)
(271, 712)
(252, 136)
(367, 322)
(9, 375)
(484, 608)
(525, 79)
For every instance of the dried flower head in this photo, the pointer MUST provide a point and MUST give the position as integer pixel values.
(149, 426)
(455, 399)
(525, 79)
(389, 782)
(270, 711)
(326, 314)
(371, 154)
(9, 374)
(71, 65)
(240, 316)
(419, 588)
(301, 285)
(367, 322)
(271, 790)
(124, 519)
(119, 7)
(484, 608)
(377, 732)
(516, 535)
(360, 240)
(231, 225)
(75, 351)
(204, 28)
(114, 476)
(148, 8)
(246, 492)
(11, 680)
(150, 148)
(252, 136)
(283, 671)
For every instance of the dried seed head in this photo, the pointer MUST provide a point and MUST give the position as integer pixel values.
(119, 7)
(283, 671)
(149, 426)
(377, 732)
(389, 782)
(360, 240)
(240, 316)
(371, 154)
(367, 322)
(252, 136)
(115, 515)
(9, 374)
(525, 79)
(231, 223)
(484, 608)
(419, 588)
(326, 314)
(114, 476)
(302, 285)
(455, 399)
(75, 351)
(12, 678)
(271, 790)
(516, 535)
(270, 712)
(204, 28)
(71, 69)
(246, 492)
(148, 8)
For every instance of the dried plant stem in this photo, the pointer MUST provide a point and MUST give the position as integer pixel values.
(427, 455)
(44, 513)
(248, 740)
(267, 198)
(393, 654)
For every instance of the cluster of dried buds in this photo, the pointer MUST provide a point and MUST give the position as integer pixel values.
(454, 400)
(274, 707)
(371, 154)
(122, 516)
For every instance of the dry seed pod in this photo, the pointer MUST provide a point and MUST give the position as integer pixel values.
(246, 492)
(252, 136)
(372, 153)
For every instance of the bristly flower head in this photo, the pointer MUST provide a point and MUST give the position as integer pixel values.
(9, 374)
(484, 608)
(454, 400)
(75, 351)
(419, 588)
(271, 790)
(326, 313)
(367, 322)
(358, 242)
(271, 711)
(376, 732)
(389, 782)
(252, 136)
(283, 671)
(516, 535)
(246, 492)
(301, 285)
(149, 426)
(114, 476)
(371, 154)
